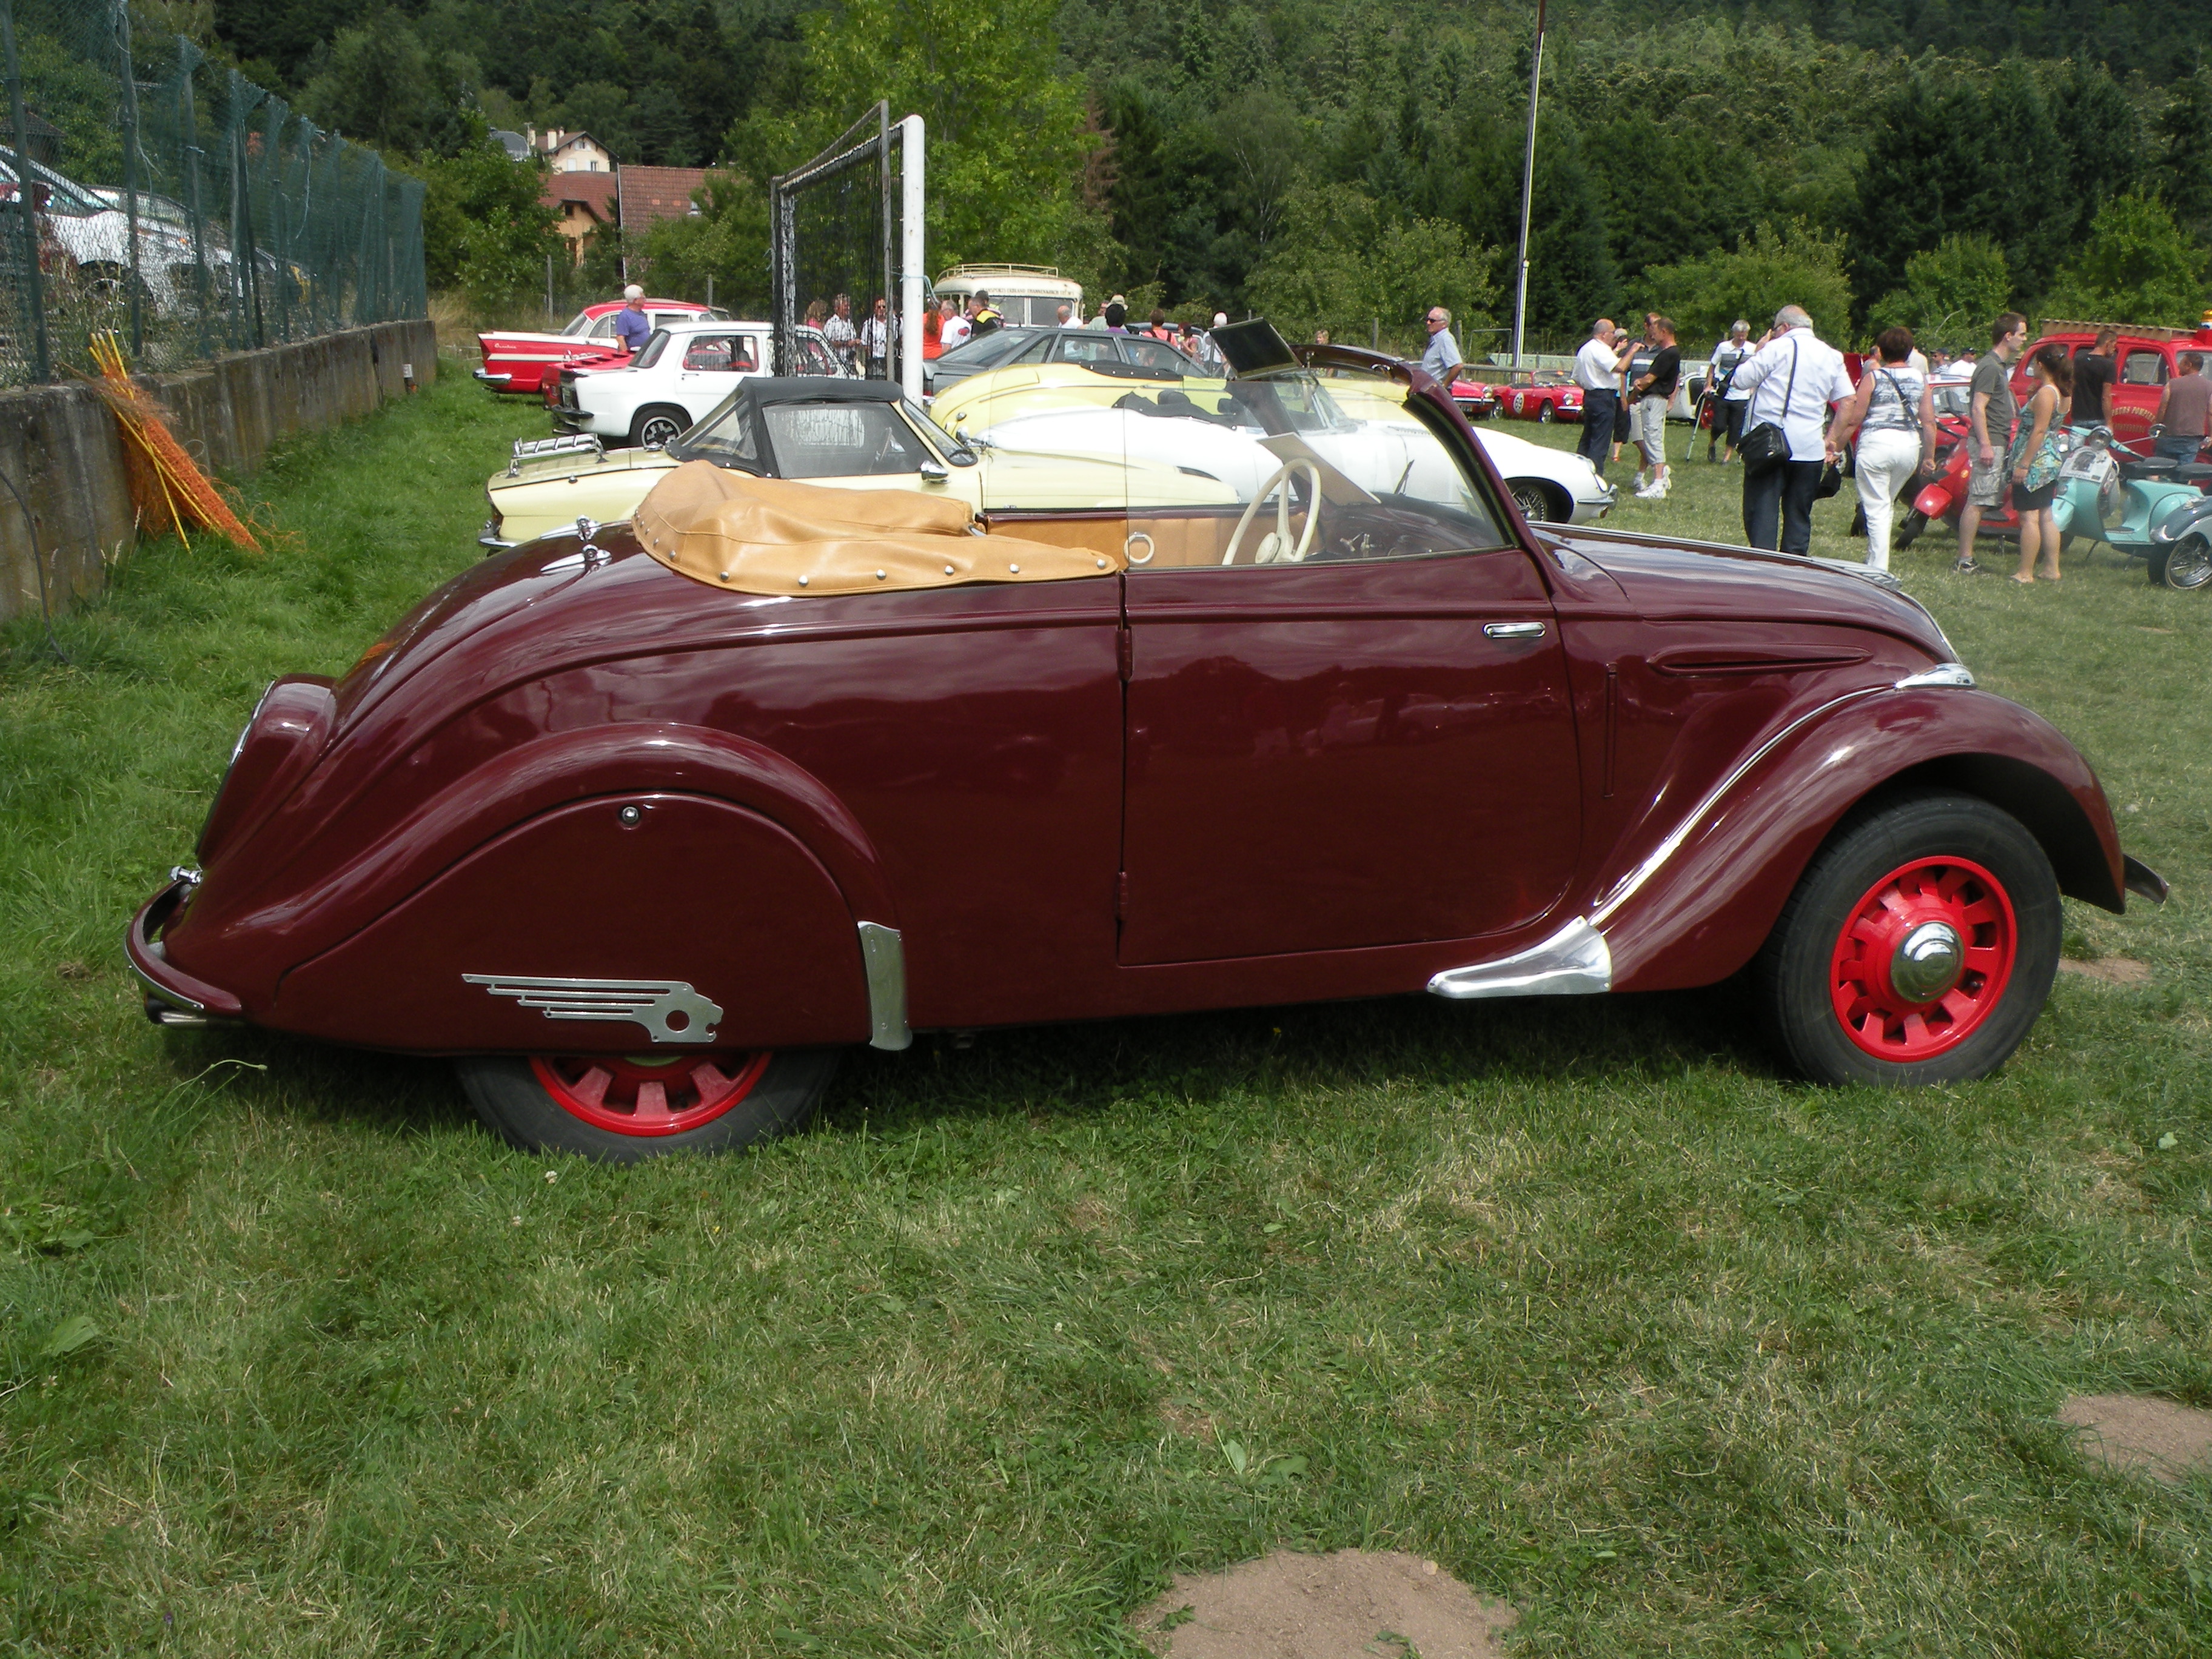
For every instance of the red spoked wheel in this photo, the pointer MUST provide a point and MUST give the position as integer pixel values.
(1923, 958)
(1918, 947)
(620, 1109)
(649, 1094)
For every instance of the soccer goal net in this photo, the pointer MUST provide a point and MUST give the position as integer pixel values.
(846, 279)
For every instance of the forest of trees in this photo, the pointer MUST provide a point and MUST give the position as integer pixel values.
(1343, 161)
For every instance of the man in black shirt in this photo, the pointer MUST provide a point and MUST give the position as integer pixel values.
(2093, 373)
(1655, 391)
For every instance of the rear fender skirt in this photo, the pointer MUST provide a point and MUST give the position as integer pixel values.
(249, 948)
(1698, 907)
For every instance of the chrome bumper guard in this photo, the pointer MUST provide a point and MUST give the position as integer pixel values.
(172, 998)
(492, 379)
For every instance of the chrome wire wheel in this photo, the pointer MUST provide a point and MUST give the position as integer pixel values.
(2187, 565)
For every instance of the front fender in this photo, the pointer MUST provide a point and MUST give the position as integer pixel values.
(248, 945)
(1697, 909)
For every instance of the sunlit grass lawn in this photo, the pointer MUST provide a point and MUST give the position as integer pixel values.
(1580, 1297)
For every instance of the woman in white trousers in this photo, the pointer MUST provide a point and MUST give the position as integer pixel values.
(1894, 417)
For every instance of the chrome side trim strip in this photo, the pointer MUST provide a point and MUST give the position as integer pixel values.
(1633, 882)
(1943, 673)
(1573, 962)
(669, 1010)
(883, 954)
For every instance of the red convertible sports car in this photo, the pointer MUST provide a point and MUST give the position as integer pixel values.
(522, 362)
(1535, 394)
(642, 823)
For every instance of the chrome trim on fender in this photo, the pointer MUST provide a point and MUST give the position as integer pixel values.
(1573, 962)
(651, 1003)
(1944, 673)
(1633, 882)
(883, 954)
(2139, 879)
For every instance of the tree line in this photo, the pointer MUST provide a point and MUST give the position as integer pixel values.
(1343, 163)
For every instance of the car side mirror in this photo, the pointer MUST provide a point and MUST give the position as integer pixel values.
(932, 473)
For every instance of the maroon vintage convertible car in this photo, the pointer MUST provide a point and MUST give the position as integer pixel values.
(643, 824)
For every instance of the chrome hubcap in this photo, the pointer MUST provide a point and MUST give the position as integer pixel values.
(1927, 962)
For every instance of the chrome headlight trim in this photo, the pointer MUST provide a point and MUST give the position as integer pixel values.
(1944, 673)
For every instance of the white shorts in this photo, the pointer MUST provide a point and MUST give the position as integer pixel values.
(1650, 427)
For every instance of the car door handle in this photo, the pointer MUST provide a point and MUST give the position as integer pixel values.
(1520, 630)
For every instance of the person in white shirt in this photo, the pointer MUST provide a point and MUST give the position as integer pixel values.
(1597, 372)
(1727, 429)
(1792, 379)
(955, 328)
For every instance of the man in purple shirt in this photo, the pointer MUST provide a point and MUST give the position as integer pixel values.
(632, 327)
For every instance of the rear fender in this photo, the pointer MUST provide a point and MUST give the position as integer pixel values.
(1700, 907)
(636, 921)
(249, 948)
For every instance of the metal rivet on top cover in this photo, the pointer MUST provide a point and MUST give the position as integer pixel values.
(948, 569)
(802, 581)
(879, 575)
(1016, 569)
(725, 575)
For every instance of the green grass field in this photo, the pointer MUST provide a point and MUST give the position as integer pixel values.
(1581, 1297)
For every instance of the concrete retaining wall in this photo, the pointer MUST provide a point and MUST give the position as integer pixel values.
(61, 447)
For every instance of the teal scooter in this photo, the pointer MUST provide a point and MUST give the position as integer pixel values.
(2150, 509)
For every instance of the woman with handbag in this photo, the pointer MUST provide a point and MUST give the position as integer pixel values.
(2037, 451)
(1894, 416)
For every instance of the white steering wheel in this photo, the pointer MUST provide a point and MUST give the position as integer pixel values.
(1275, 546)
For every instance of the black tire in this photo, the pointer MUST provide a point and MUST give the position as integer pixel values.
(1797, 972)
(1909, 528)
(2186, 565)
(1539, 503)
(1545, 416)
(656, 423)
(512, 1099)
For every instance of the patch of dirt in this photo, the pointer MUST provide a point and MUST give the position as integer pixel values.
(1344, 1606)
(2134, 1431)
(74, 969)
(1088, 1215)
(1185, 1417)
(2142, 630)
(2112, 970)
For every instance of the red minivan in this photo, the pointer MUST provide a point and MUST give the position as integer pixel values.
(2147, 358)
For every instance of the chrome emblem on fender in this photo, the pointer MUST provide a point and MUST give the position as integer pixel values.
(669, 1009)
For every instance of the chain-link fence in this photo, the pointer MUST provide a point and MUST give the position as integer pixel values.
(146, 190)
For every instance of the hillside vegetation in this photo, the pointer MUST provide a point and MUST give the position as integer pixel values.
(1907, 160)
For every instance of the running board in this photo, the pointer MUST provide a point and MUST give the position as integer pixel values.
(1573, 962)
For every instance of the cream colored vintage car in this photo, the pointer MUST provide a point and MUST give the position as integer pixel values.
(860, 434)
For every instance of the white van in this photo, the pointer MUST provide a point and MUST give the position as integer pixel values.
(1024, 294)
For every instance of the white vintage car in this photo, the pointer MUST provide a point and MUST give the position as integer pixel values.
(684, 371)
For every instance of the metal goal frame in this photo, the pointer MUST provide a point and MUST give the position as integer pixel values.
(874, 137)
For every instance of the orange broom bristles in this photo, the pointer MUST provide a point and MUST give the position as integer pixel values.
(164, 482)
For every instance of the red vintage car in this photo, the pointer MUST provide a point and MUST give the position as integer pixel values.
(518, 361)
(644, 823)
(1477, 399)
(1535, 394)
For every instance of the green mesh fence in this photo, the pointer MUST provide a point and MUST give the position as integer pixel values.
(146, 191)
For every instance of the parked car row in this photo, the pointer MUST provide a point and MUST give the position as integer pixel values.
(83, 237)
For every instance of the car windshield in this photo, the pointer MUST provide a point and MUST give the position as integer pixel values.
(653, 349)
(56, 196)
(1347, 468)
(580, 325)
(998, 346)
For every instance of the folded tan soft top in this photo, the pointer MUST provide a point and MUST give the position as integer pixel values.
(730, 530)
